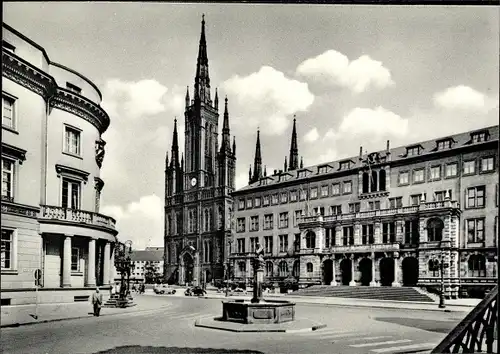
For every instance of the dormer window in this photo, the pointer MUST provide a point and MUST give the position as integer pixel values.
(444, 144)
(479, 137)
(301, 174)
(412, 151)
(345, 165)
(322, 169)
(73, 88)
(263, 182)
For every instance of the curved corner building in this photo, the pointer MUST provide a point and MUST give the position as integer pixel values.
(52, 153)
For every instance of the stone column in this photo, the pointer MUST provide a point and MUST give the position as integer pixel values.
(112, 267)
(357, 234)
(66, 263)
(377, 230)
(352, 282)
(338, 235)
(91, 265)
(106, 265)
(396, 266)
(334, 275)
(374, 281)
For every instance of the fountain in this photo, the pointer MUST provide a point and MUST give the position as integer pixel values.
(258, 310)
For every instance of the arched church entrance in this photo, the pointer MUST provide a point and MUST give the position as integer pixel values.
(386, 271)
(188, 265)
(410, 271)
(365, 268)
(346, 271)
(327, 271)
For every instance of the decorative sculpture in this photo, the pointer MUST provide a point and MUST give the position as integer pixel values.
(258, 274)
(99, 152)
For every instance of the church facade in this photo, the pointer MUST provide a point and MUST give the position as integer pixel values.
(387, 218)
(198, 189)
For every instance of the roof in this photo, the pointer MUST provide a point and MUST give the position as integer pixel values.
(155, 249)
(396, 154)
(146, 256)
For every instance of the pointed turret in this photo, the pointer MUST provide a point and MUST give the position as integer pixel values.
(166, 160)
(234, 145)
(175, 148)
(202, 79)
(257, 164)
(285, 166)
(188, 101)
(216, 100)
(265, 171)
(250, 175)
(294, 150)
(301, 162)
(182, 162)
(226, 138)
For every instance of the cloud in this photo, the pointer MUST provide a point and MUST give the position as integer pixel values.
(334, 68)
(330, 135)
(463, 98)
(373, 123)
(330, 154)
(312, 135)
(140, 221)
(265, 99)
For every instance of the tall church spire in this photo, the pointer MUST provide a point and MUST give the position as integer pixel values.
(294, 150)
(175, 148)
(226, 139)
(257, 165)
(202, 79)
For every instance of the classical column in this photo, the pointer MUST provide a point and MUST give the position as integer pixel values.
(338, 235)
(66, 271)
(352, 282)
(396, 265)
(91, 265)
(374, 281)
(334, 275)
(106, 265)
(112, 267)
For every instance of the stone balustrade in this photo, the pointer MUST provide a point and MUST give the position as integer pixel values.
(374, 247)
(77, 216)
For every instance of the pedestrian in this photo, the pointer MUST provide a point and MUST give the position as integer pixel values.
(97, 302)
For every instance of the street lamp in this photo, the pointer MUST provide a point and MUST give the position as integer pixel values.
(442, 266)
(230, 242)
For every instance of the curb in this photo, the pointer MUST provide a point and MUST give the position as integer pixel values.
(198, 323)
(13, 325)
(466, 308)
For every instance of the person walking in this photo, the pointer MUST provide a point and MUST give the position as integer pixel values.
(97, 302)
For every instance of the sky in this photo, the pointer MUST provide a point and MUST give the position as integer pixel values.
(351, 75)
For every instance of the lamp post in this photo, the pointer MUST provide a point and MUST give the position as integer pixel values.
(128, 263)
(229, 242)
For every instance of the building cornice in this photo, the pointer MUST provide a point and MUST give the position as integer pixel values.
(72, 172)
(20, 209)
(25, 74)
(13, 151)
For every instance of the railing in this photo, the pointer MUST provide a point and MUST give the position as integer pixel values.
(367, 247)
(384, 212)
(77, 216)
(476, 332)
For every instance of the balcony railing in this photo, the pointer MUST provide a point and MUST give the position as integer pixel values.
(366, 247)
(478, 330)
(385, 212)
(77, 216)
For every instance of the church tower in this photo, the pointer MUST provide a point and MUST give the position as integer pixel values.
(198, 201)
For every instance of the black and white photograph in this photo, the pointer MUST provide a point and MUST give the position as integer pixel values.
(261, 178)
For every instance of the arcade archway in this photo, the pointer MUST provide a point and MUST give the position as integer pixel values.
(346, 271)
(410, 271)
(365, 268)
(327, 271)
(188, 268)
(386, 271)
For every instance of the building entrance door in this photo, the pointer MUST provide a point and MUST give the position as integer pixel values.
(188, 268)
(327, 272)
(386, 271)
(365, 267)
(410, 271)
(346, 271)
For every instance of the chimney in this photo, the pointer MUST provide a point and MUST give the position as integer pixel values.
(275, 172)
(360, 152)
(387, 147)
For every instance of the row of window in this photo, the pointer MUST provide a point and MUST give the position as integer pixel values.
(487, 164)
(475, 230)
(475, 198)
(295, 195)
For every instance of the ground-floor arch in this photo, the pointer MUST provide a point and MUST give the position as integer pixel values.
(386, 271)
(365, 268)
(346, 271)
(410, 271)
(327, 271)
(187, 269)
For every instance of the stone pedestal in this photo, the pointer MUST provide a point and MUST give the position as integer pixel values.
(257, 287)
(263, 312)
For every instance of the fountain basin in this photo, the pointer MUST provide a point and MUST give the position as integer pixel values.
(243, 311)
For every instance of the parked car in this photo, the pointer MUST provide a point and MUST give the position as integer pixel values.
(195, 291)
(163, 289)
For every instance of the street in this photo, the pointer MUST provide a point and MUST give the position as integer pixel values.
(171, 330)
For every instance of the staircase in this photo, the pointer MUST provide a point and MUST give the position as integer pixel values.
(366, 292)
(114, 301)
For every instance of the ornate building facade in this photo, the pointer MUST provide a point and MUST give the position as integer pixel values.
(52, 153)
(388, 218)
(198, 189)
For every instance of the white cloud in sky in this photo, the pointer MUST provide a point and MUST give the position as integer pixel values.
(463, 98)
(333, 67)
(265, 99)
(373, 123)
(312, 135)
(330, 135)
(140, 221)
